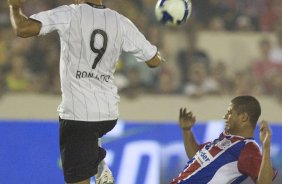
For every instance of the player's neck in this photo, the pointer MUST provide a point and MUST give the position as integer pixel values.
(247, 133)
(96, 2)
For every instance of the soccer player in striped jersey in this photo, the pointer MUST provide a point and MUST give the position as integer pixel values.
(232, 157)
(92, 38)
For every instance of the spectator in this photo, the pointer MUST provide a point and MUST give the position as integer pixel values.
(17, 80)
(217, 24)
(278, 87)
(244, 23)
(167, 81)
(263, 69)
(192, 54)
(3, 48)
(243, 82)
(135, 86)
(276, 52)
(200, 83)
(271, 16)
(250, 12)
(219, 73)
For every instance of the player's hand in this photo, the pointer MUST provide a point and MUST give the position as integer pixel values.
(186, 119)
(16, 3)
(265, 134)
(78, 1)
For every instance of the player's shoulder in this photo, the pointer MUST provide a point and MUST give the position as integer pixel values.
(117, 14)
(122, 20)
(125, 21)
(64, 8)
(251, 145)
(73, 7)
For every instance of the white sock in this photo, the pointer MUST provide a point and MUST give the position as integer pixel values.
(102, 166)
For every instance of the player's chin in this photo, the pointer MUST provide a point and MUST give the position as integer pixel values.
(226, 128)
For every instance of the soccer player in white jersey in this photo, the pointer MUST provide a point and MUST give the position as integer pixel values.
(92, 38)
(232, 157)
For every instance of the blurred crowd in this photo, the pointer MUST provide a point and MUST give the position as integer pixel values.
(32, 65)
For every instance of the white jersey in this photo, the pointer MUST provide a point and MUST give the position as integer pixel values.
(92, 39)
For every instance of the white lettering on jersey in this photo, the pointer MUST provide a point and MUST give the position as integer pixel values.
(203, 157)
(86, 74)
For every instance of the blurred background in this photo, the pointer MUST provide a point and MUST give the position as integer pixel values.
(227, 48)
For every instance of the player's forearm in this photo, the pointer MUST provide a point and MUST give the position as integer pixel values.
(190, 143)
(17, 19)
(23, 26)
(266, 172)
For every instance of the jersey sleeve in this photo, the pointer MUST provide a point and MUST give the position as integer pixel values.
(57, 19)
(135, 42)
(250, 160)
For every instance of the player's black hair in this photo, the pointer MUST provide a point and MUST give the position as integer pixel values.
(249, 105)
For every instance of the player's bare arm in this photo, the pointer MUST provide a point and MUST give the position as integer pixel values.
(155, 61)
(266, 172)
(22, 25)
(186, 122)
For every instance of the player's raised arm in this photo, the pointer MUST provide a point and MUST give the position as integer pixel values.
(155, 61)
(23, 26)
(186, 122)
(266, 172)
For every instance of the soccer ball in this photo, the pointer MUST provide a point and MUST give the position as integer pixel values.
(173, 12)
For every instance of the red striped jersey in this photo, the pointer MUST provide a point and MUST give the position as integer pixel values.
(92, 38)
(228, 159)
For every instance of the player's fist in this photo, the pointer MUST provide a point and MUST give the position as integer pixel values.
(16, 3)
(186, 119)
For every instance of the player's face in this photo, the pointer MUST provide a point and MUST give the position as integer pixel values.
(232, 123)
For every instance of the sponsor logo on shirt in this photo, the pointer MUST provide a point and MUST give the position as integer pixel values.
(223, 144)
(203, 157)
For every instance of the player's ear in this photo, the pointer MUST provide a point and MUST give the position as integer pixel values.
(244, 117)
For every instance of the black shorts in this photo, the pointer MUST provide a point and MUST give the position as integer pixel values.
(80, 152)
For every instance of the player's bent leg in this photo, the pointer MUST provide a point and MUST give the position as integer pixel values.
(104, 174)
(87, 181)
(80, 152)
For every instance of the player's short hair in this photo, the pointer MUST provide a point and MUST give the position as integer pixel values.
(249, 105)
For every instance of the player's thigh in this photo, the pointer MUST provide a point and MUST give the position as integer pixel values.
(79, 148)
(106, 126)
(87, 181)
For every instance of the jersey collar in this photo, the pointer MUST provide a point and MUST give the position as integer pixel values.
(96, 5)
(225, 134)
